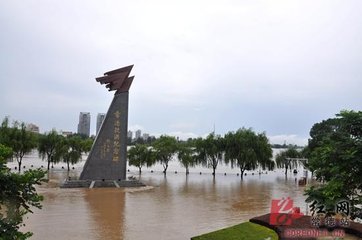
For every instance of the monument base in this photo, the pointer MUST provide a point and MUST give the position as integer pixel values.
(101, 184)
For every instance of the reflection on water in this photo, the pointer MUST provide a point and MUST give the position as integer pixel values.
(182, 207)
(107, 210)
(176, 207)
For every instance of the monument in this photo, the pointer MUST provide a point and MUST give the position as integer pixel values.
(107, 161)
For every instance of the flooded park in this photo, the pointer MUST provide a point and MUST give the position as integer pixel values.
(174, 206)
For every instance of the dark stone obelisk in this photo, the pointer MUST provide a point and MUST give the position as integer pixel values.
(107, 159)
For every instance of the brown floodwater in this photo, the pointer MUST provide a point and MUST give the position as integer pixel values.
(172, 207)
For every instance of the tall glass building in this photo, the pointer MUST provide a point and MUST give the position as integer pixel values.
(84, 123)
(100, 118)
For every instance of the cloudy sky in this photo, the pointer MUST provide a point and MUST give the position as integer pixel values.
(277, 66)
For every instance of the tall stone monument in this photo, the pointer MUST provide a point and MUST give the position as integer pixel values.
(107, 159)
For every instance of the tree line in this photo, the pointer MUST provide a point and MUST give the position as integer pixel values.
(243, 149)
(17, 191)
(51, 146)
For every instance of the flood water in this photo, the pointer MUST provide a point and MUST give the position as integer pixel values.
(172, 207)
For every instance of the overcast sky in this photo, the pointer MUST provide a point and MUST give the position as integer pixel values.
(275, 66)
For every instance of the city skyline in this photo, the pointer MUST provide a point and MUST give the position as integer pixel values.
(274, 66)
(99, 119)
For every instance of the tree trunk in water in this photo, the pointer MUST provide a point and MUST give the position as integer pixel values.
(286, 170)
(140, 169)
(165, 168)
(187, 170)
(213, 171)
(68, 165)
(242, 173)
(49, 157)
(19, 164)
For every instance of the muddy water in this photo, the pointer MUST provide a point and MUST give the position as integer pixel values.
(173, 207)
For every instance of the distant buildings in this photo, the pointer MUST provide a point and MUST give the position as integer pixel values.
(130, 134)
(139, 137)
(145, 136)
(138, 134)
(100, 118)
(84, 128)
(32, 128)
(84, 123)
(66, 133)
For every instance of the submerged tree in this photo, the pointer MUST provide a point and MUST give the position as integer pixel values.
(5, 132)
(17, 195)
(87, 144)
(186, 155)
(18, 138)
(48, 145)
(165, 147)
(284, 159)
(248, 150)
(140, 155)
(335, 157)
(70, 150)
(209, 151)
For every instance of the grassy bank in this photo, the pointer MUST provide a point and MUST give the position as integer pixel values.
(243, 231)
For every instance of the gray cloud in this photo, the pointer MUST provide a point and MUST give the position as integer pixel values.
(277, 66)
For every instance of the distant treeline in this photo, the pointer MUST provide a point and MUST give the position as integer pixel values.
(243, 149)
(286, 146)
(150, 140)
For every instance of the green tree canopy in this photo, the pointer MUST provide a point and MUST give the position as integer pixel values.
(48, 144)
(70, 150)
(186, 155)
(17, 195)
(284, 159)
(5, 153)
(87, 144)
(335, 157)
(140, 155)
(209, 151)
(165, 147)
(248, 150)
(5, 131)
(18, 138)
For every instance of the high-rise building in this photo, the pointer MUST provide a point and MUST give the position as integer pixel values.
(138, 134)
(130, 134)
(100, 118)
(145, 136)
(84, 123)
